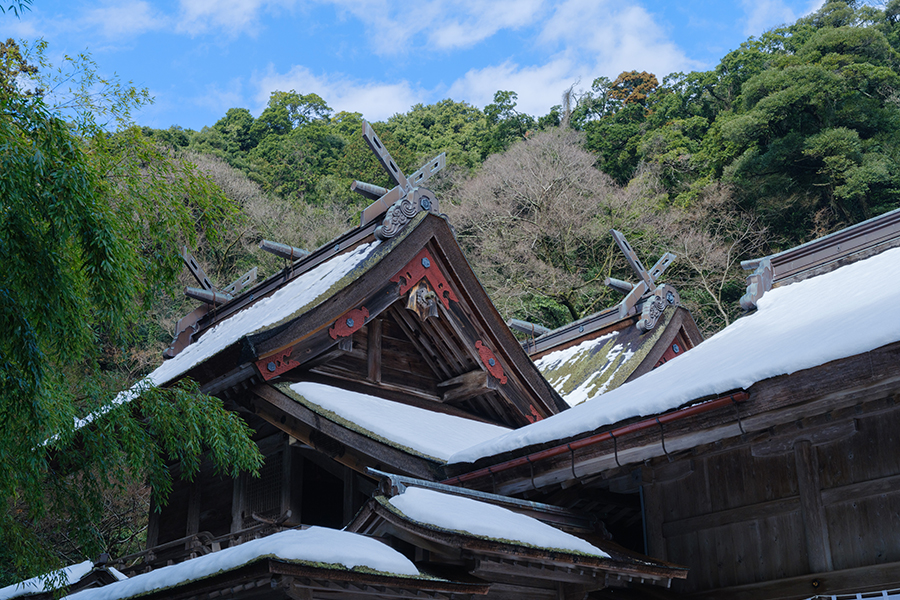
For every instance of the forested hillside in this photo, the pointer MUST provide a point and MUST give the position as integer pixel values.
(791, 136)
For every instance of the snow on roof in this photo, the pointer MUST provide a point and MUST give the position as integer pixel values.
(480, 519)
(291, 299)
(430, 434)
(586, 369)
(69, 575)
(328, 548)
(598, 365)
(799, 326)
(39, 584)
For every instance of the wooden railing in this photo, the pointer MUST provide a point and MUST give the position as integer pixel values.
(191, 546)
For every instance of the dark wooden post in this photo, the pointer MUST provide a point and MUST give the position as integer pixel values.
(286, 459)
(237, 504)
(812, 508)
(153, 524)
(349, 493)
(653, 517)
(374, 351)
(193, 512)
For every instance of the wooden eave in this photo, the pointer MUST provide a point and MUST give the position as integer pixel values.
(350, 448)
(837, 249)
(773, 403)
(377, 519)
(273, 578)
(306, 342)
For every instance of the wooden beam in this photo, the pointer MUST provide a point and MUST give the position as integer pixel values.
(826, 433)
(873, 578)
(373, 354)
(813, 511)
(467, 385)
(352, 377)
(862, 489)
(741, 514)
(416, 336)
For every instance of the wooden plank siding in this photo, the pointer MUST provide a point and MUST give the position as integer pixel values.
(761, 510)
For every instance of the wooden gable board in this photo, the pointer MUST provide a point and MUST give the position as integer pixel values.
(470, 325)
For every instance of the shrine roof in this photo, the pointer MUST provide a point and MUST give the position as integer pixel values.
(432, 435)
(799, 326)
(294, 298)
(587, 368)
(487, 521)
(65, 577)
(318, 547)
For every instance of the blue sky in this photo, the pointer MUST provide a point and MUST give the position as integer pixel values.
(199, 58)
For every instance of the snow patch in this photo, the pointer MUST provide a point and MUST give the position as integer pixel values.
(486, 520)
(555, 360)
(36, 585)
(430, 433)
(313, 545)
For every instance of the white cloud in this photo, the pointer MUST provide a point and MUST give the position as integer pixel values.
(476, 21)
(593, 38)
(125, 18)
(233, 16)
(376, 100)
(219, 100)
(538, 87)
(20, 29)
(762, 15)
(610, 38)
(396, 28)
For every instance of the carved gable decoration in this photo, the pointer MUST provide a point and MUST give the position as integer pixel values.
(423, 266)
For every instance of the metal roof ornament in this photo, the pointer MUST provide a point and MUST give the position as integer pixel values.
(656, 298)
(402, 202)
(208, 292)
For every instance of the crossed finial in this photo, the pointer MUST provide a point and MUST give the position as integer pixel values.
(406, 199)
(634, 292)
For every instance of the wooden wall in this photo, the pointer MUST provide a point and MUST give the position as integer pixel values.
(816, 496)
(219, 505)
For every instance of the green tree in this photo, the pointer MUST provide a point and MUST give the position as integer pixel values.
(816, 132)
(506, 124)
(89, 223)
(301, 108)
(236, 129)
(456, 128)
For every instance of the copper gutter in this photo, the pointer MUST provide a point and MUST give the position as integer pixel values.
(696, 409)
